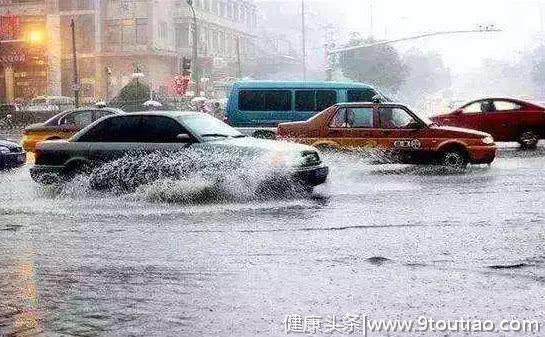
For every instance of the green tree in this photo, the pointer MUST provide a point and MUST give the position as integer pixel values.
(379, 65)
(133, 93)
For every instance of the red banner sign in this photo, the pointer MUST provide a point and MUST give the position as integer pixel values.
(10, 27)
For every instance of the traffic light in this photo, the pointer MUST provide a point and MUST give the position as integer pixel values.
(186, 63)
(186, 66)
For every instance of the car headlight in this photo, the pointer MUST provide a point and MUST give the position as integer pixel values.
(4, 149)
(488, 140)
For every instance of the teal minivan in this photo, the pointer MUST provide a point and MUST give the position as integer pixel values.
(268, 103)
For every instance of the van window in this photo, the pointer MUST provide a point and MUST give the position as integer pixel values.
(314, 100)
(264, 100)
(360, 95)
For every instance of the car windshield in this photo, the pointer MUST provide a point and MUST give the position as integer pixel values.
(209, 127)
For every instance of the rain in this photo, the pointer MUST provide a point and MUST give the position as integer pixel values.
(272, 168)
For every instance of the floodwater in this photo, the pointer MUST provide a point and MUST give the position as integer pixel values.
(387, 241)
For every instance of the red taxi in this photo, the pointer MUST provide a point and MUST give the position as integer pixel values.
(395, 129)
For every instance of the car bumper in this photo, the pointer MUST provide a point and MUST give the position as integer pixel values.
(482, 154)
(12, 159)
(46, 174)
(312, 176)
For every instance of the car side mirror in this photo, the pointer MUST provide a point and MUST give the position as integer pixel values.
(183, 138)
(458, 111)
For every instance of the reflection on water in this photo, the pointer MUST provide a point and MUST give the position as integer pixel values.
(19, 299)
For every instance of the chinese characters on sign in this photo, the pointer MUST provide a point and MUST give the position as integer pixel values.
(348, 324)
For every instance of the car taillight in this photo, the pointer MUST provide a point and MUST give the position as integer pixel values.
(280, 132)
(37, 156)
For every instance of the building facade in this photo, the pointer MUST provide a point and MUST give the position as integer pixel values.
(116, 39)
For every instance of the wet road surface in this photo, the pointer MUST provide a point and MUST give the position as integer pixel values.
(388, 241)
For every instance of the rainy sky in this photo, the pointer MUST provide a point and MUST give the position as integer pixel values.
(522, 22)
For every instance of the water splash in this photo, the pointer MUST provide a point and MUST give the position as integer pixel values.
(191, 176)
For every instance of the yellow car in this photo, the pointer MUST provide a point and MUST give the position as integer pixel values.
(63, 125)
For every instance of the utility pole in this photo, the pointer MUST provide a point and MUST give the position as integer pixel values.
(304, 40)
(196, 70)
(239, 65)
(371, 19)
(76, 85)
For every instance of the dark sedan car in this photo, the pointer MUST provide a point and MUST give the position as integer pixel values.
(113, 137)
(64, 125)
(506, 119)
(11, 154)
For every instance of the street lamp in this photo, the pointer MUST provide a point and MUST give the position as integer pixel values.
(35, 37)
(196, 69)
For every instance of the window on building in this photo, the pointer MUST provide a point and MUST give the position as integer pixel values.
(141, 31)
(222, 9)
(182, 36)
(222, 43)
(265, 100)
(235, 12)
(70, 5)
(112, 32)
(229, 6)
(141, 9)
(128, 35)
(215, 7)
(163, 30)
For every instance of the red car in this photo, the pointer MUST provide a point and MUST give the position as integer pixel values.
(506, 119)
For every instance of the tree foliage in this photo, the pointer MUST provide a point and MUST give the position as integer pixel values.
(132, 93)
(380, 65)
(426, 73)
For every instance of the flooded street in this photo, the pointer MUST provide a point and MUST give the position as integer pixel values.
(387, 241)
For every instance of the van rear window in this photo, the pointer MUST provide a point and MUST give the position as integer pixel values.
(264, 100)
(361, 95)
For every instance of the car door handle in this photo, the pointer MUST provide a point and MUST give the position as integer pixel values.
(333, 132)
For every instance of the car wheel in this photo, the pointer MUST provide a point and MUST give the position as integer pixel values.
(528, 140)
(325, 148)
(455, 159)
(264, 134)
(77, 168)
